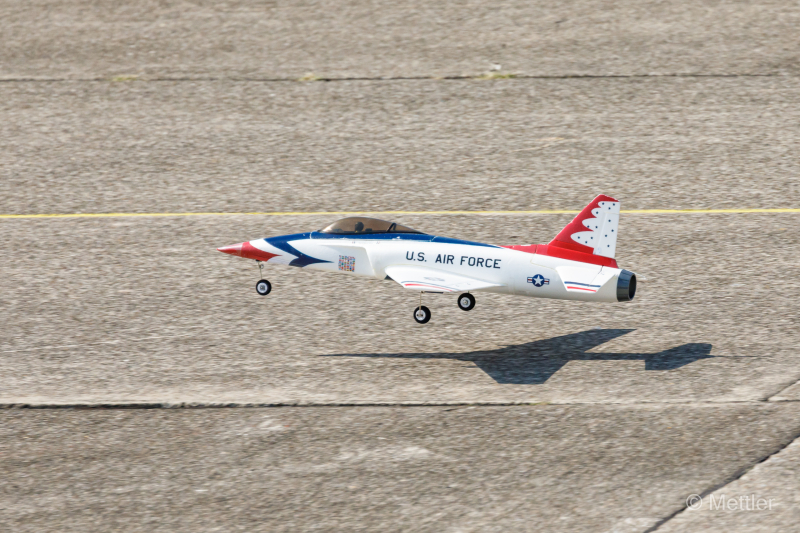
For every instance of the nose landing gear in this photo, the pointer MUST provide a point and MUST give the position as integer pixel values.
(466, 301)
(263, 287)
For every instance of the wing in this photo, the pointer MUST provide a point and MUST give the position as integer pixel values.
(430, 280)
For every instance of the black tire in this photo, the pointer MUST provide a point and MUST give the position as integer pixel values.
(422, 314)
(466, 301)
(263, 287)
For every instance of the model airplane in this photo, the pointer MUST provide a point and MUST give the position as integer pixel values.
(577, 265)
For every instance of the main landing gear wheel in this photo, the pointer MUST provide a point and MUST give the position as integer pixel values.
(466, 301)
(422, 314)
(263, 287)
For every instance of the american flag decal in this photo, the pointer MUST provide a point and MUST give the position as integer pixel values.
(347, 263)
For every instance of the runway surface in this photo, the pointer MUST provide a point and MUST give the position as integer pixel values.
(148, 388)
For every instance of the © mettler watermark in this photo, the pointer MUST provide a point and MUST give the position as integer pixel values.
(723, 502)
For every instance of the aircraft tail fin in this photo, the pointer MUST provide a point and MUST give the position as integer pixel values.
(594, 230)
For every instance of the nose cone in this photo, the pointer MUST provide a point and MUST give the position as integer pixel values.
(248, 251)
(233, 249)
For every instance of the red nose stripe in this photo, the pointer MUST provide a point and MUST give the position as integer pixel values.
(251, 252)
(248, 251)
(233, 249)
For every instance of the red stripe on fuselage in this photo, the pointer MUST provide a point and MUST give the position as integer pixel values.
(565, 253)
(429, 286)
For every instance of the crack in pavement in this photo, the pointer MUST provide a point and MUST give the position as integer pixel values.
(736, 476)
(770, 397)
(263, 405)
(480, 77)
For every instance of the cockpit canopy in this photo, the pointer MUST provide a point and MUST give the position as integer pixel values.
(365, 225)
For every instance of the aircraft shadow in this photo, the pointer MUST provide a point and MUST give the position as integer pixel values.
(533, 363)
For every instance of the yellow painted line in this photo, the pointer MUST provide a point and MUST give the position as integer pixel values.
(354, 213)
(707, 211)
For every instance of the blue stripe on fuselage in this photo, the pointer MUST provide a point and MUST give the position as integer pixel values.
(448, 240)
(375, 236)
(397, 237)
(282, 243)
(576, 283)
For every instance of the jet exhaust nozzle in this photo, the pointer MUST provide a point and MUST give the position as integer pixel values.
(626, 286)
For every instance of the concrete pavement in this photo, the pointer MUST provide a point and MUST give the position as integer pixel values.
(540, 416)
(259, 39)
(523, 468)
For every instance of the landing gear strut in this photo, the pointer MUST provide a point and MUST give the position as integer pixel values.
(422, 314)
(263, 287)
(466, 301)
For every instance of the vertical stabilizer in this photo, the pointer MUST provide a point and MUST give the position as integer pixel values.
(594, 230)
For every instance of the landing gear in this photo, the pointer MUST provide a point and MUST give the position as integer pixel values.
(422, 314)
(466, 301)
(263, 287)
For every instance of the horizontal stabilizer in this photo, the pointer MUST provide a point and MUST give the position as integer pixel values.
(584, 279)
(431, 280)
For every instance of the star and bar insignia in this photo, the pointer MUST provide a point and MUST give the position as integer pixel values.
(538, 280)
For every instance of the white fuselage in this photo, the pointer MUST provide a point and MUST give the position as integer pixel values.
(511, 271)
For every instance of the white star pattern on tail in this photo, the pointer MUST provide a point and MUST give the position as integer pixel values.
(603, 229)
